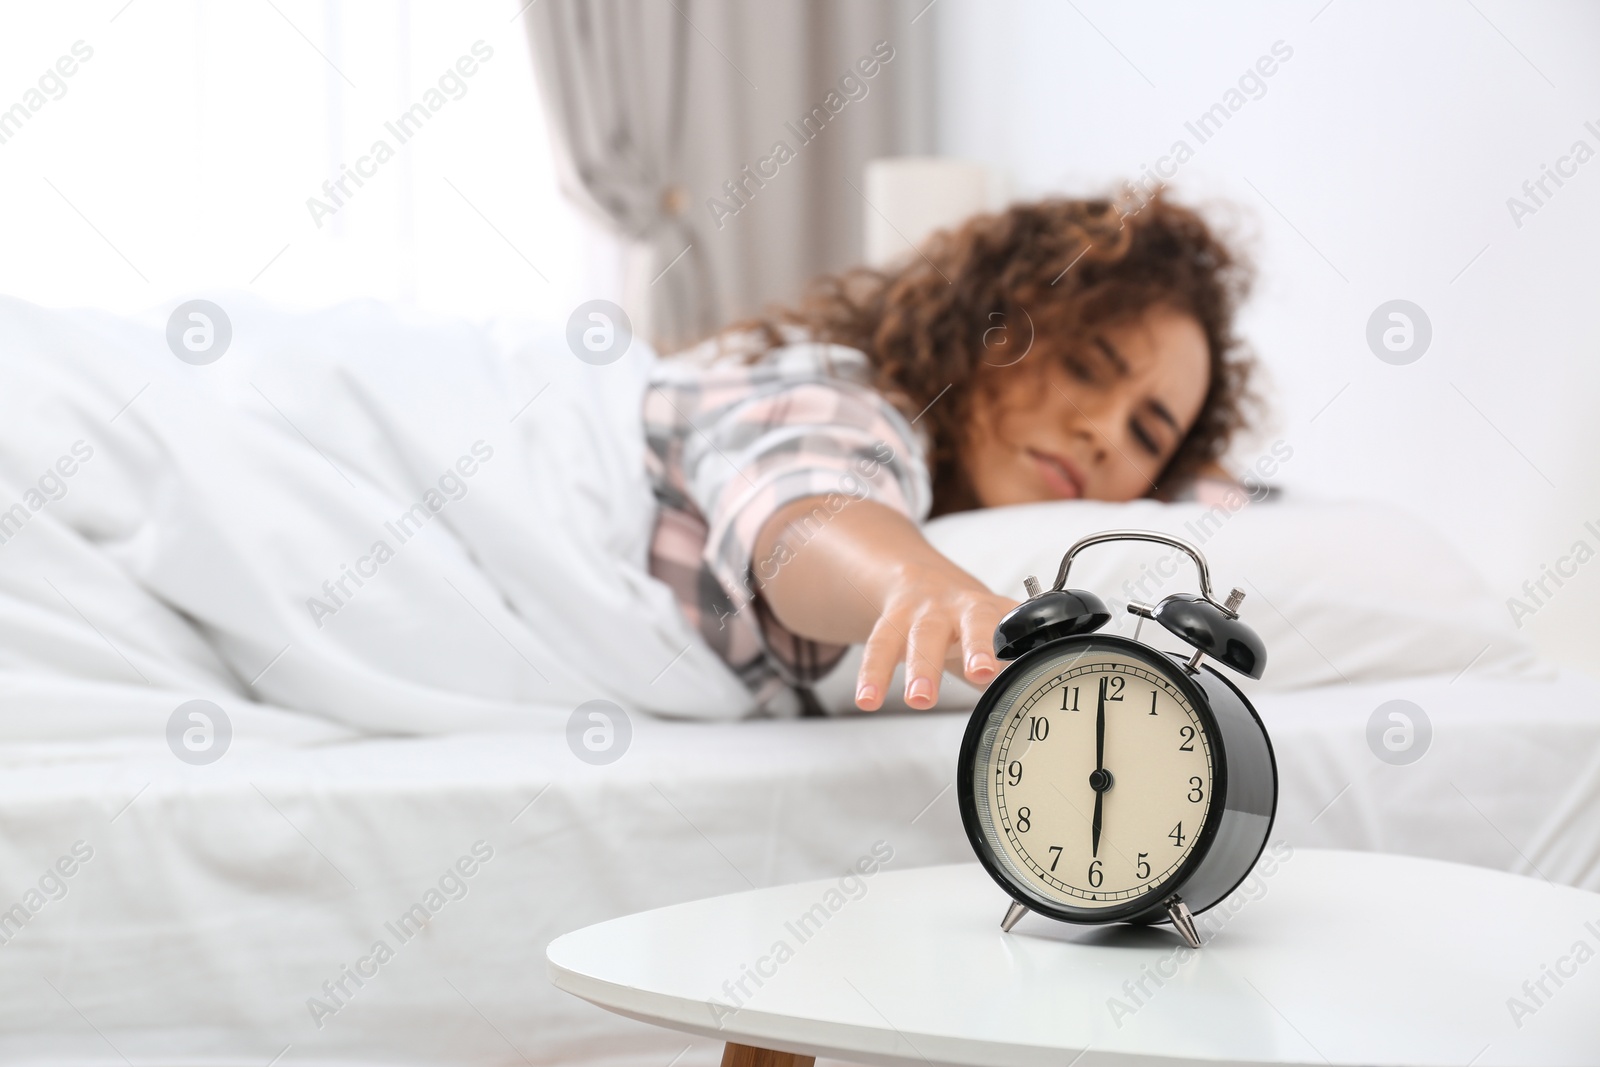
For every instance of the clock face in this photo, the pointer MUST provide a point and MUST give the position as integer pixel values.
(1093, 779)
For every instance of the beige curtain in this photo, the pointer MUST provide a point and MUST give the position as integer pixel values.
(728, 137)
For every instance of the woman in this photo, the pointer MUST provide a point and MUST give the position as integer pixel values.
(1065, 349)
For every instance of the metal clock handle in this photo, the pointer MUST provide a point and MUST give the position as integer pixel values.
(1141, 535)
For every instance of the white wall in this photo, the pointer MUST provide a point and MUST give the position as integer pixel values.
(1375, 165)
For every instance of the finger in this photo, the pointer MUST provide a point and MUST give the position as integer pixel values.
(978, 661)
(878, 659)
(929, 637)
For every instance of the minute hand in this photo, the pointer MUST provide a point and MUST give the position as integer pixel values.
(1100, 729)
(1099, 765)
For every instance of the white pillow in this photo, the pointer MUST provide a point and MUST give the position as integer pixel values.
(1339, 592)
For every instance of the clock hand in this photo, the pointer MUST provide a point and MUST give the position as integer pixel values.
(1099, 766)
(1100, 729)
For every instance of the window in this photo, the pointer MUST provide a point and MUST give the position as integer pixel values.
(223, 145)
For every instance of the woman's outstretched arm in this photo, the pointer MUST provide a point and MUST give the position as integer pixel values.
(865, 573)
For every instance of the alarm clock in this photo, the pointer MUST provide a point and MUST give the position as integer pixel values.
(1104, 781)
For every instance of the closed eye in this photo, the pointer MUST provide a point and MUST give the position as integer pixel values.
(1112, 356)
(1160, 413)
(1146, 440)
(1080, 370)
(1088, 369)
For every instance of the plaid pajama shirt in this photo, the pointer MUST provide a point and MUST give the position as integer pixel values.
(729, 443)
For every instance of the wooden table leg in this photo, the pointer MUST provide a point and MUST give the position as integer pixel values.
(748, 1056)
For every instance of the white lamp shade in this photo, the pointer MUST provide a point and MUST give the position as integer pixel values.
(910, 197)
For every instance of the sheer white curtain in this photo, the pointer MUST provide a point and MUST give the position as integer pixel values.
(179, 157)
(728, 138)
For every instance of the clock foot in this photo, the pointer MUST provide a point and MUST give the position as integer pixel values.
(1014, 915)
(1183, 922)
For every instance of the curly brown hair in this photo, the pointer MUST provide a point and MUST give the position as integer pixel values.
(1070, 267)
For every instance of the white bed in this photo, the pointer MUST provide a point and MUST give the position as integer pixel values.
(222, 897)
(158, 912)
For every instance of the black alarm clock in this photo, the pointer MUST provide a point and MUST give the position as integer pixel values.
(1101, 780)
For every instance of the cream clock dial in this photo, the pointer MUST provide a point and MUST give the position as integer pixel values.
(1101, 780)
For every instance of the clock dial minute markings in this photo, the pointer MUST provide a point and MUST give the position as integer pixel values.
(1062, 874)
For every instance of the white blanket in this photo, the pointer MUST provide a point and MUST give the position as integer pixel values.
(394, 523)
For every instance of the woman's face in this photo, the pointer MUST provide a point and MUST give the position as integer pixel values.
(1099, 424)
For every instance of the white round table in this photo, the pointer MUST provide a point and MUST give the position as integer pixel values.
(1319, 958)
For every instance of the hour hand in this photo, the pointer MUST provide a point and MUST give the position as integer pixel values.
(1100, 780)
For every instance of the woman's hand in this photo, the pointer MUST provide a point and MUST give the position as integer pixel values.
(867, 574)
(933, 618)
